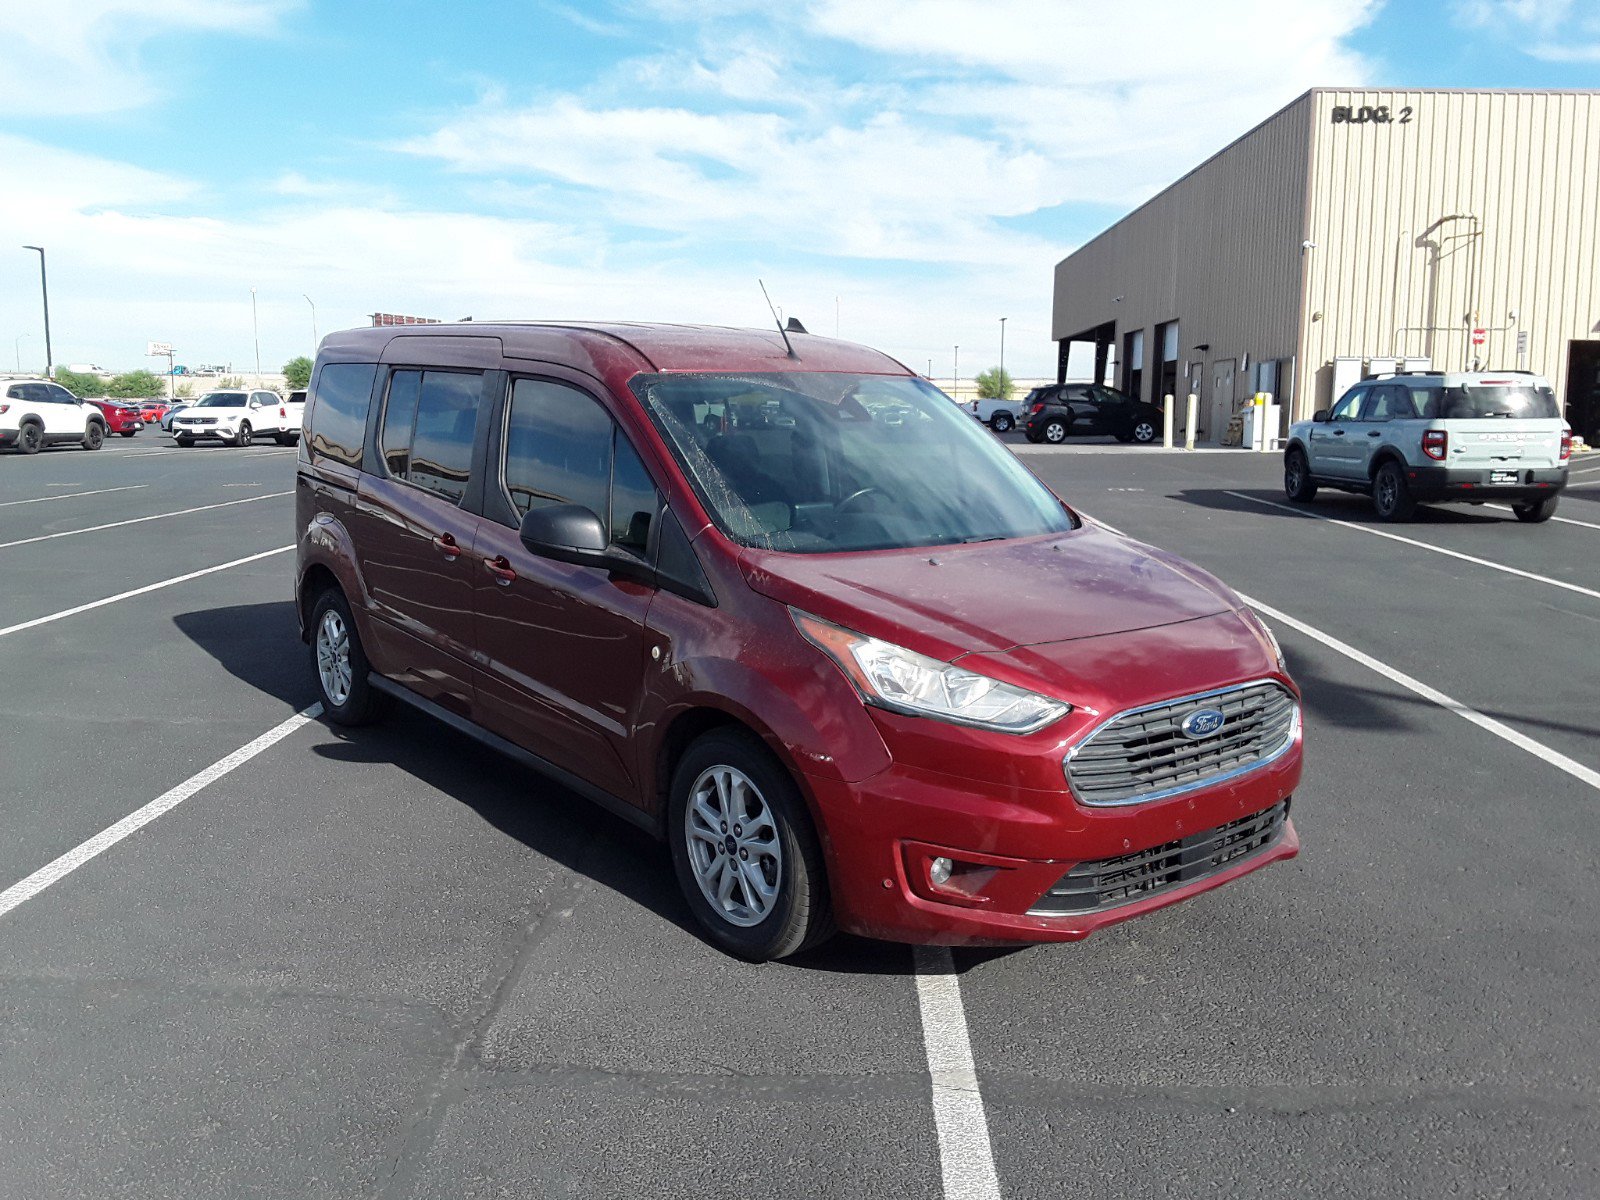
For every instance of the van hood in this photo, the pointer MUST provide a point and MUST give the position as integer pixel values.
(947, 601)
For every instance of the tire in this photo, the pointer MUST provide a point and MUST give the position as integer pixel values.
(798, 914)
(1536, 512)
(1033, 436)
(127, 432)
(185, 441)
(94, 436)
(1297, 481)
(242, 438)
(1390, 495)
(1055, 431)
(284, 439)
(339, 663)
(30, 438)
(1125, 436)
(1142, 431)
(1002, 422)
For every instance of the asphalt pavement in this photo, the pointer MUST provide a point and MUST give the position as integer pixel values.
(388, 963)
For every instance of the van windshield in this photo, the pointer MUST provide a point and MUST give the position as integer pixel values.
(812, 461)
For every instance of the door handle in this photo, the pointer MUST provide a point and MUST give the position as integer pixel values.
(1338, 433)
(500, 567)
(1374, 433)
(445, 544)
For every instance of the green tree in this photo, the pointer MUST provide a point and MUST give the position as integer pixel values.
(231, 382)
(136, 385)
(994, 384)
(80, 383)
(297, 373)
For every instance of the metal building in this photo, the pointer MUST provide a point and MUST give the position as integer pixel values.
(1350, 233)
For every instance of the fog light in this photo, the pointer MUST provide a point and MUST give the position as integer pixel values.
(939, 871)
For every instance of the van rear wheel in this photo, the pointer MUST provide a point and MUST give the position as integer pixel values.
(744, 850)
(340, 663)
(1390, 495)
(1538, 511)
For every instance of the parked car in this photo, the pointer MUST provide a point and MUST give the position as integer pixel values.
(1066, 410)
(999, 415)
(177, 407)
(237, 418)
(856, 673)
(35, 413)
(1436, 436)
(120, 418)
(151, 411)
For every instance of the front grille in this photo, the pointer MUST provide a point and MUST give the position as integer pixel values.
(1145, 755)
(1109, 882)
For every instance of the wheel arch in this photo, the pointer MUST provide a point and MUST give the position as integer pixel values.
(1385, 454)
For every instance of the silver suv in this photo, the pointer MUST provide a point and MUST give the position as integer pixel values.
(1436, 436)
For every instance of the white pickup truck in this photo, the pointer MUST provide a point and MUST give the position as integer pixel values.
(238, 417)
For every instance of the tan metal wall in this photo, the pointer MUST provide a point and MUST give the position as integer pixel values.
(1219, 251)
(1526, 165)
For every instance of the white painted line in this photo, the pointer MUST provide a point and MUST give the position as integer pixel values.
(1395, 537)
(73, 495)
(958, 1117)
(149, 587)
(1563, 520)
(191, 451)
(45, 537)
(1583, 470)
(26, 889)
(1538, 749)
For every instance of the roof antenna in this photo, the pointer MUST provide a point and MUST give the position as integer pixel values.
(778, 321)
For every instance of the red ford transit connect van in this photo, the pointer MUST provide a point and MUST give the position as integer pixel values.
(795, 613)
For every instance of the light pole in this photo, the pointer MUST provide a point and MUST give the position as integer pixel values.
(308, 300)
(255, 325)
(44, 287)
(1002, 347)
(955, 375)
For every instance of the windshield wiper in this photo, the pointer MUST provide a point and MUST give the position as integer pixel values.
(988, 537)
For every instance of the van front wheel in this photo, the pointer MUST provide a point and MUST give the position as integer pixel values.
(744, 851)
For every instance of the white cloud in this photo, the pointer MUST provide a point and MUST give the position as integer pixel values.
(66, 57)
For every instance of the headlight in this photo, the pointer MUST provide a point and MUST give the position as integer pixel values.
(903, 681)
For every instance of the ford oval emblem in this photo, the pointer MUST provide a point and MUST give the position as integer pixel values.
(1202, 723)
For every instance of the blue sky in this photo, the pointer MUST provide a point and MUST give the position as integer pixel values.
(906, 171)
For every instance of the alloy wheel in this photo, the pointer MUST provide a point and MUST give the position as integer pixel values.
(333, 658)
(735, 851)
(1144, 431)
(1055, 432)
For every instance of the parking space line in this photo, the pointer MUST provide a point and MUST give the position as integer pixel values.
(193, 450)
(45, 537)
(25, 889)
(1395, 537)
(1583, 470)
(965, 1155)
(140, 591)
(1563, 520)
(74, 495)
(1500, 730)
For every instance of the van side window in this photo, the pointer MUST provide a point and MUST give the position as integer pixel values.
(337, 411)
(399, 418)
(561, 447)
(441, 438)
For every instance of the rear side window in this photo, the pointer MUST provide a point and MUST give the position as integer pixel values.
(443, 411)
(563, 448)
(337, 418)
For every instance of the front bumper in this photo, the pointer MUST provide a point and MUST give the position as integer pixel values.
(1459, 483)
(1013, 845)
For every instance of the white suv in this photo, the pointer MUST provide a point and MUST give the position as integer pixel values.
(237, 418)
(35, 412)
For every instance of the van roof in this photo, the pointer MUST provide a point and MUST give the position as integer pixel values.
(629, 347)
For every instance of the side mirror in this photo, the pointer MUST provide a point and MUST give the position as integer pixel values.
(567, 533)
(1320, 415)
